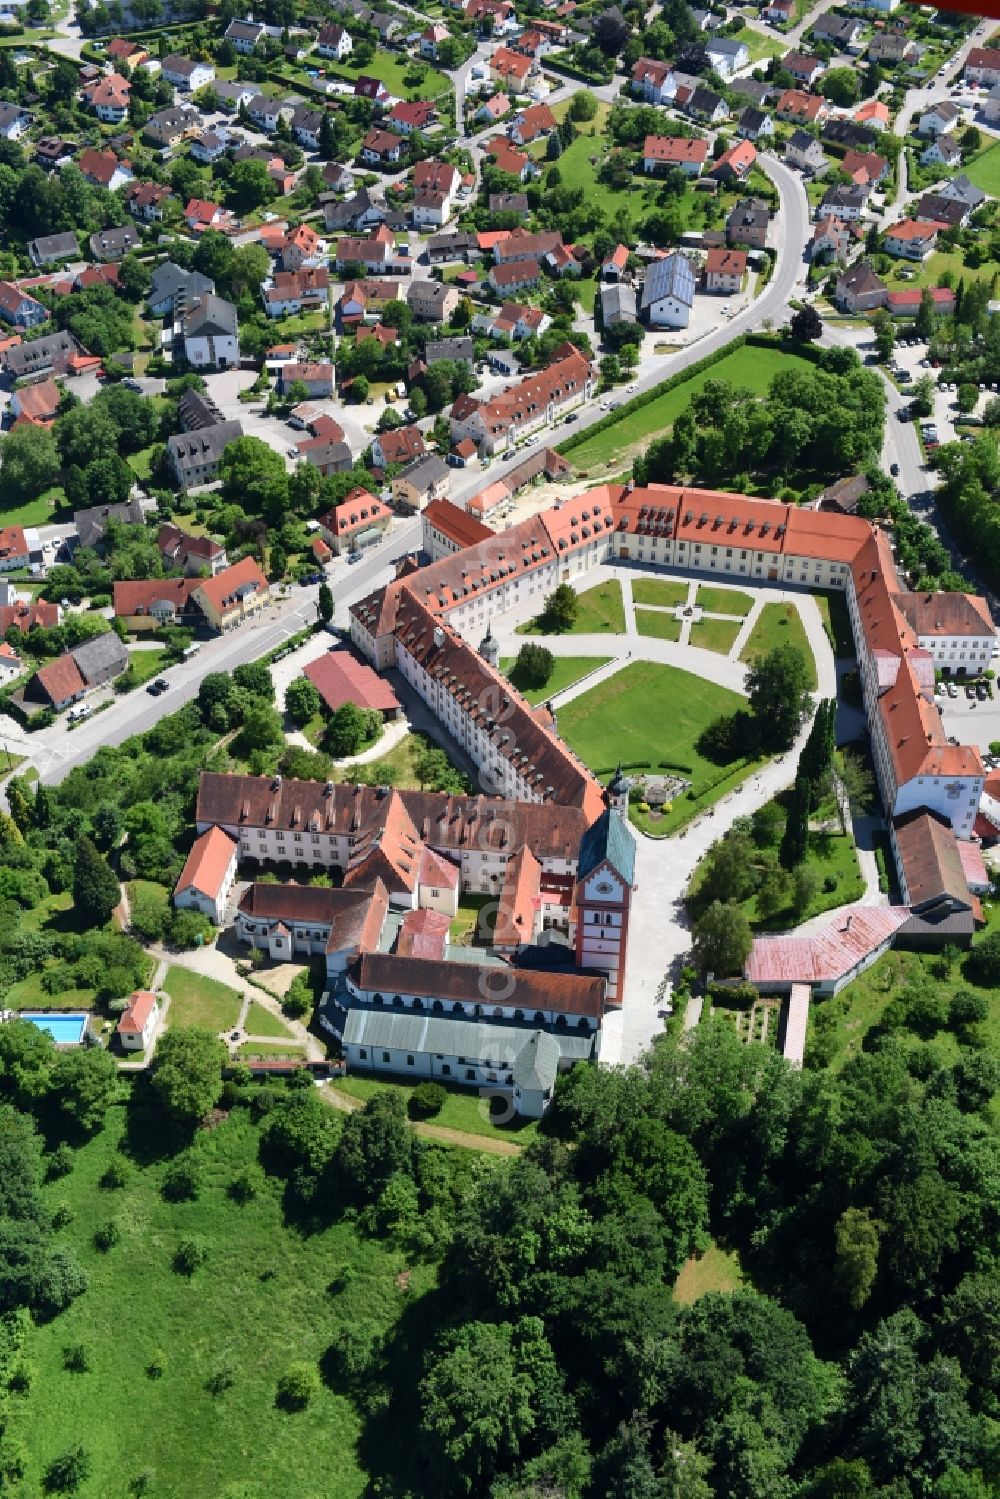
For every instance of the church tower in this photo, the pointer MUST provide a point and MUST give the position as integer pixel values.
(616, 793)
(604, 877)
(489, 648)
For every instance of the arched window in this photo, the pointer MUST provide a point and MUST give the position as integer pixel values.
(377, 999)
(397, 1001)
(458, 1009)
(560, 1022)
(539, 1018)
(497, 1013)
(518, 1014)
(417, 1004)
(437, 1007)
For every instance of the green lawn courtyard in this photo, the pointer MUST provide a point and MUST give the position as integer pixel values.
(566, 671)
(717, 635)
(198, 1000)
(601, 611)
(645, 714)
(723, 600)
(984, 170)
(261, 1022)
(658, 624)
(779, 624)
(612, 449)
(661, 593)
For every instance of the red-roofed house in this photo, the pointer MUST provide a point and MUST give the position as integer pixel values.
(341, 678)
(910, 239)
(511, 69)
(359, 520)
(906, 303)
(410, 115)
(664, 151)
(37, 403)
(103, 169)
(734, 164)
(233, 595)
(11, 665)
(724, 271)
(138, 1022)
(448, 528)
(208, 875)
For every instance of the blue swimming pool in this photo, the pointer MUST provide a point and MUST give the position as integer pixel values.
(65, 1030)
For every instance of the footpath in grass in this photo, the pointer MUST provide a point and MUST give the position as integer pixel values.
(601, 611)
(566, 671)
(261, 1301)
(198, 1000)
(644, 715)
(617, 444)
(780, 624)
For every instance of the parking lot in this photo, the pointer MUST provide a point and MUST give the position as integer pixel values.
(970, 720)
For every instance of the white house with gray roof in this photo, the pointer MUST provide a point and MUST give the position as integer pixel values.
(668, 292)
(210, 333)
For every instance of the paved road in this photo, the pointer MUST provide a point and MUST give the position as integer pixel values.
(56, 751)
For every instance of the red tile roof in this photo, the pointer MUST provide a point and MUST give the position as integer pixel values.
(341, 678)
(208, 864)
(141, 1005)
(455, 523)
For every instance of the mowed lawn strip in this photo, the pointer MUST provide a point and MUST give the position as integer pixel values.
(601, 612)
(717, 635)
(724, 600)
(657, 624)
(567, 670)
(779, 624)
(645, 714)
(198, 1000)
(261, 1022)
(751, 369)
(230, 1315)
(661, 593)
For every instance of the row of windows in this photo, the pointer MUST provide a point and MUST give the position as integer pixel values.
(470, 1072)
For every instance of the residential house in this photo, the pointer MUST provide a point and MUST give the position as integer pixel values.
(233, 97)
(36, 404)
(747, 224)
(727, 55)
(168, 126)
(649, 78)
(735, 164)
(907, 303)
(847, 133)
(360, 520)
(724, 271)
(366, 298)
(338, 179)
(668, 292)
(15, 549)
(137, 1024)
(781, 12)
(805, 152)
(832, 240)
(538, 400)
(185, 73)
(889, 49)
(756, 91)
(172, 286)
(512, 321)
(845, 32)
(50, 249)
(843, 202)
(52, 152)
(431, 39)
(210, 146)
(301, 248)
(803, 68)
(936, 209)
(244, 35)
(109, 98)
(402, 445)
(375, 252)
(963, 191)
(328, 454)
(192, 554)
(408, 115)
(194, 456)
(511, 70)
(52, 354)
(982, 66)
(911, 239)
(432, 301)
(211, 335)
(706, 105)
(381, 148)
(200, 215)
(874, 113)
(754, 123)
(146, 200)
(425, 479)
(458, 244)
(104, 170)
(318, 379)
(18, 308)
(112, 244)
(143, 606)
(991, 105)
(514, 276)
(943, 151)
(267, 113)
(119, 50)
(306, 124)
(662, 152)
(372, 89)
(334, 41)
(614, 266)
(800, 108)
(361, 211)
(11, 664)
(290, 292)
(232, 596)
(508, 159)
(447, 529)
(531, 124)
(865, 168)
(209, 875)
(939, 119)
(493, 109)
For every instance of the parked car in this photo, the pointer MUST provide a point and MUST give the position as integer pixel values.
(952, 689)
(981, 693)
(75, 714)
(894, 470)
(160, 684)
(970, 692)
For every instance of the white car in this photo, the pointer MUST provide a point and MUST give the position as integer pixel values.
(75, 714)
